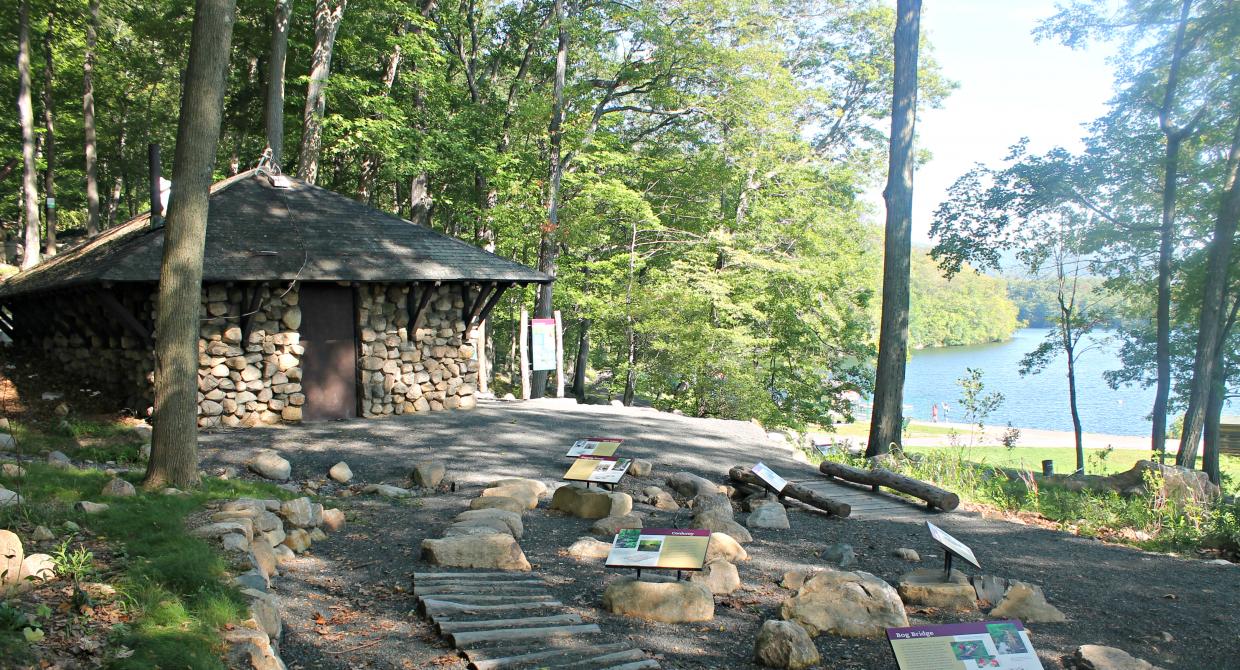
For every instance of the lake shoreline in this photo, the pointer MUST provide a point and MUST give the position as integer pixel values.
(1030, 438)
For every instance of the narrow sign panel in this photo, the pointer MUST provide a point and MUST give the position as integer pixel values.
(952, 544)
(1003, 645)
(768, 475)
(594, 446)
(662, 548)
(598, 469)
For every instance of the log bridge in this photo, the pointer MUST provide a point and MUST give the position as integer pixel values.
(934, 496)
(744, 475)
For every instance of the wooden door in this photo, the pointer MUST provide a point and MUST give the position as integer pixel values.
(329, 366)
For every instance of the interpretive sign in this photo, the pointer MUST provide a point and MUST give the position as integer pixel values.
(952, 545)
(598, 469)
(594, 446)
(964, 646)
(661, 548)
(543, 336)
(768, 475)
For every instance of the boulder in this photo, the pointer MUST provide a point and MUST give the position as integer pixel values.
(610, 525)
(1097, 657)
(270, 465)
(1027, 603)
(771, 515)
(497, 551)
(42, 534)
(640, 467)
(333, 519)
(1178, 483)
(284, 555)
(301, 513)
(387, 490)
(511, 520)
(621, 503)
(297, 539)
(264, 612)
(341, 472)
(263, 559)
(785, 644)
(536, 487)
(11, 556)
(668, 602)
(118, 488)
(88, 507)
(588, 548)
(242, 527)
(477, 525)
(688, 484)
(795, 579)
(907, 554)
(429, 473)
(724, 547)
(839, 555)
(989, 588)
(716, 523)
(317, 534)
(582, 502)
(521, 494)
(8, 497)
(660, 499)
(926, 587)
(848, 604)
(59, 460)
(498, 502)
(720, 576)
(37, 567)
(12, 470)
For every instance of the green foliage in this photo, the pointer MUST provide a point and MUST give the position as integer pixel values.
(976, 403)
(967, 308)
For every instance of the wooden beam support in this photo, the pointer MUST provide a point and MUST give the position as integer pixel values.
(484, 295)
(467, 303)
(124, 316)
(427, 292)
(499, 293)
(249, 306)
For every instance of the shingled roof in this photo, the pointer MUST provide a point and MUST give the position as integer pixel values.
(259, 233)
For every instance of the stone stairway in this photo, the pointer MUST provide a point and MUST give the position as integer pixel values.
(511, 620)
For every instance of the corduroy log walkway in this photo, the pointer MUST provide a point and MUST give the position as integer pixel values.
(511, 620)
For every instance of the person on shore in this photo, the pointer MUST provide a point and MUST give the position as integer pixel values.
(946, 410)
(934, 413)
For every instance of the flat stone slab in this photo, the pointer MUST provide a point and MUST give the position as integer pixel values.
(668, 602)
(498, 551)
(928, 587)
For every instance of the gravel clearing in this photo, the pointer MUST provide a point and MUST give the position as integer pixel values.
(348, 601)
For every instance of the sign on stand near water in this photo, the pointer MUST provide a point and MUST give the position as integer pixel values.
(1033, 401)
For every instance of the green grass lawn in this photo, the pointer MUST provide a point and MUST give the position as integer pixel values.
(1097, 461)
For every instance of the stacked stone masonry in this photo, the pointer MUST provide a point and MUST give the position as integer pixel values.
(431, 367)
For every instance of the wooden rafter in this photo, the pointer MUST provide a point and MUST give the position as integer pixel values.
(415, 312)
(484, 295)
(499, 293)
(126, 318)
(250, 300)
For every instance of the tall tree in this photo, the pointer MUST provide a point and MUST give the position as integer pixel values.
(548, 247)
(275, 78)
(888, 415)
(174, 441)
(88, 120)
(25, 114)
(49, 134)
(327, 17)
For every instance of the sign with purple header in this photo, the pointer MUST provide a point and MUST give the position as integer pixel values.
(1001, 645)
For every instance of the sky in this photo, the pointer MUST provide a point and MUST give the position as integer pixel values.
(1010, 86)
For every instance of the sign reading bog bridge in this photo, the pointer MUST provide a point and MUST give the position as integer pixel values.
(598, 469)
(663, 548)
(964, 646)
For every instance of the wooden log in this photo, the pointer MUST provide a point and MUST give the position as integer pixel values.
(876, 477)
(439, 608)
(466, 589)
(549, 620)
(486, 659)
(470, 599)
(647, 664)
(457, 576)
(744, 475)
(466, 638)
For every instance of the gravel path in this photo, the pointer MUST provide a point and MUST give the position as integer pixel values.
(348, 603)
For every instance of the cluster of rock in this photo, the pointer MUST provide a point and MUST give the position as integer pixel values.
(268, 533)
(432, 368)
(1178, 484)
(486, 535)
(19, 571)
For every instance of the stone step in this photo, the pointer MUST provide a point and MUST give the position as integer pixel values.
(575, 657)
(466, 638)
(452, 625)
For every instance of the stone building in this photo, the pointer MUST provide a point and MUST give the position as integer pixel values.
(314, 307)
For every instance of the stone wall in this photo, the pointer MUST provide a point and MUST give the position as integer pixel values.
(433, 370)
(84, 342)
(256, 381)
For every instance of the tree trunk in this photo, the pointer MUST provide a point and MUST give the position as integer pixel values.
(583, 360)
(888, 415)
(88, 121)
(1210, 326)
(282, 20)
(25, 113)
(420, 200)
(876, 477)
(370, 163)
(1166, 235)
(548, 248)
(174, 442)
(49, 135)
(327, 16)
(118, 183)
(745, 475)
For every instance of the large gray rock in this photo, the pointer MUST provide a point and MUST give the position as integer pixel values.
(769, 515)
(333, 519)
(582, 502)
(589, 549)
(511, 520)
(1097, 657)
(59, 460)
(660, 499)
(668, 602)
(11, 555)
(724, 547)
(688, 484)
(721, 577)
(849, 604)
(610, 525)
(270, 465)
(429, 473)
(498, 551)
(839, 555)
(301, 513)
(118, 488)
(785, 644)
(1027, 603)
(536, 487)
(387, 490)
(8, 497)
(717, 522)
(640, 467)
(88, 507)
(498, 502)
(341, 472)
(926, 587)
(522, 494)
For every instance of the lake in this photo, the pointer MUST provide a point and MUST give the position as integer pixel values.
(1034, 401)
